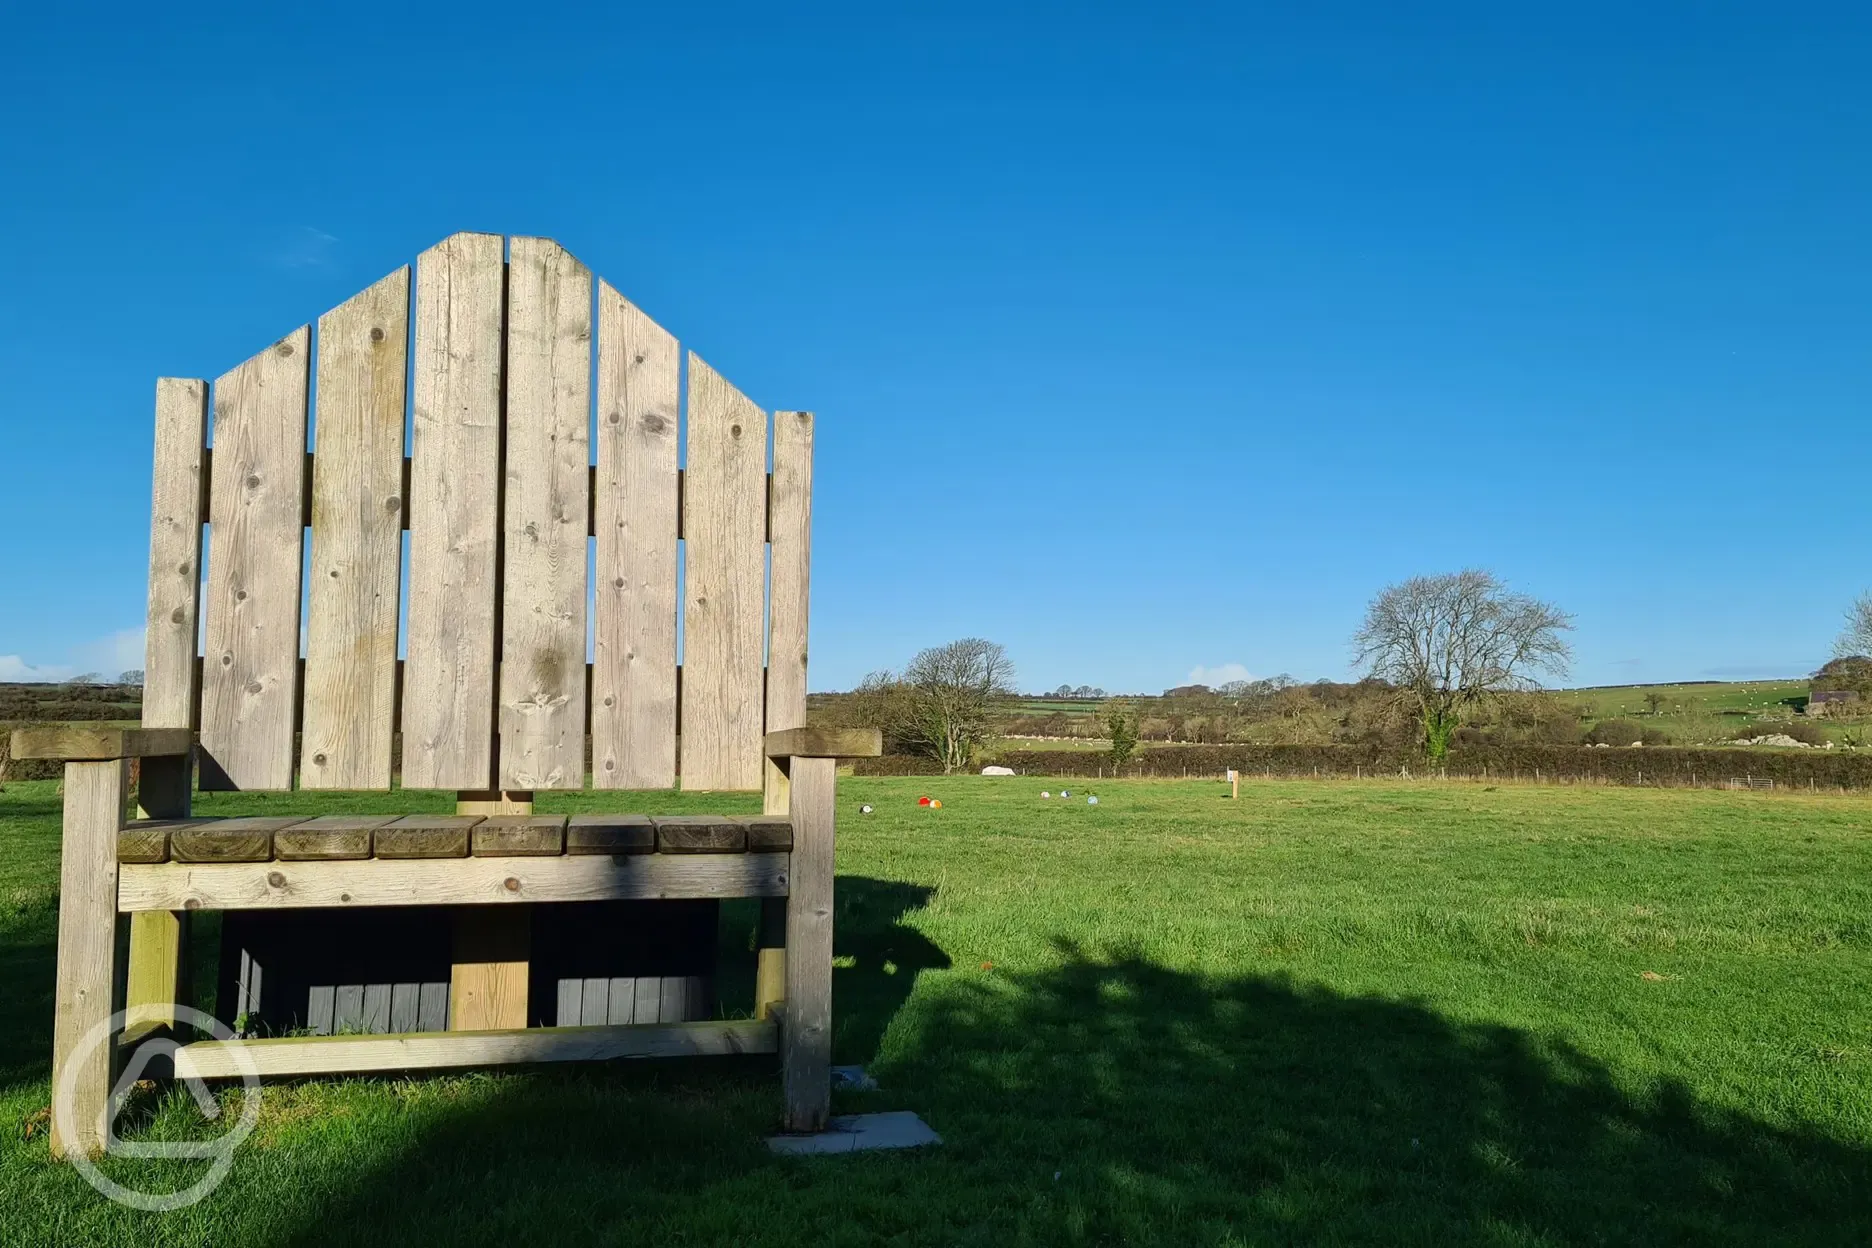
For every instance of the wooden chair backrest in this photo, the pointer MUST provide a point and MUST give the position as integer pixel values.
(507, 477)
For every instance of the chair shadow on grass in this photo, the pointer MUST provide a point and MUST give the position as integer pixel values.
(1104, 1098)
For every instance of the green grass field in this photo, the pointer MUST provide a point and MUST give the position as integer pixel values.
(1374, 1012)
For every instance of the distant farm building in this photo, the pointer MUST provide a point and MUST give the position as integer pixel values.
(1825, 702)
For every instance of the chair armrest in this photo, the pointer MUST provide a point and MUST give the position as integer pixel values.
(825, 743)
(74, 743)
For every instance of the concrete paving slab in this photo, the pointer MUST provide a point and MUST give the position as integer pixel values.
(851, 1133)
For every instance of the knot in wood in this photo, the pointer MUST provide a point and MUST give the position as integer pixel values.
(276, 880)
(511, 884)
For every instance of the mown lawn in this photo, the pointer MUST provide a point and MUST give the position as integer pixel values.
(1327, 1013)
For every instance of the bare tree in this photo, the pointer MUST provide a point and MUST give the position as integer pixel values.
(941, 705)
(1857, 639)
(1450, 642)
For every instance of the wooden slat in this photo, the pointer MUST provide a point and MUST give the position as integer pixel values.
(766, 835)
(250, 675)
(432, 1007)
(424, 836)
(806, 1056)
(595, 1001)
(724, 584)
(542, 668)
(633, 713)
(524, 835)
(824, 743)
(176, 497)
(610, 834)
(325, 1055)
(405, 1007)
(328, 837)
(143, 844)
(229, 840)
(488, 973)
(789, 526)
(448, 680)
(699, 834)
(96, 743)
(95, 795)
(465, 881)
(357, 541)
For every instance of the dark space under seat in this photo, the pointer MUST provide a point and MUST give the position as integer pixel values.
(386, 970)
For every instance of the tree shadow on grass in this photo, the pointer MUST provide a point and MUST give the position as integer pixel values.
(1102, 1099)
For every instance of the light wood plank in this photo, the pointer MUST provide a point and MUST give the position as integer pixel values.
(699, 834)
(448, 680)
(789, 527)
(229, 840)
(542, 668)
(357, 540)
(610, 834)
(633, 710)
(95, 795)
(424, 836)
(724, 585)
(806, 1052)
(449, 881)
(824, 743)
(328, 837)
(176, 492)
(77, 742)
(329, 1055)
(488, 976)
(250, 674)
(507, 836)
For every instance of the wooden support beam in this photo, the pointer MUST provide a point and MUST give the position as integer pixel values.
(488, 978)
(448, 881)
(806, 1041)
(770, 960)
(94, 742)
(95, 797)
(824, 743)
(323, 1055)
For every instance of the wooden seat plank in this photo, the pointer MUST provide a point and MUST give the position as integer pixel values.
(610, 834)
(767, 834)
(542, 669)
(700, 834)
(633, 712)
(147, 840)
(500, 836)
(250, 671)
(448, 679)
(229, 840)
(424, 836)
(328, 837)
(357, 540)
(724, 584)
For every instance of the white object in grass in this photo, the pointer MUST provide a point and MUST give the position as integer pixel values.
(1092, 801)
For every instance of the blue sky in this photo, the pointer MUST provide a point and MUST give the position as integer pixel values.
(1147, 340)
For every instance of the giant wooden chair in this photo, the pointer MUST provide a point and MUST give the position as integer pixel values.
(506, 477)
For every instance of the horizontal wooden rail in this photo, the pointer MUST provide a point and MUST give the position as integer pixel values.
(591, 511)
(430, 1050)
(97, 743)
(446, 881)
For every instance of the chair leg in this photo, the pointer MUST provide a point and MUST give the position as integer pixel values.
(95, 793)
(806, 1040)
(159, 938)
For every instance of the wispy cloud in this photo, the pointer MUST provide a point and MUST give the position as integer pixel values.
(108, 657)
(306, 248)
(17, 670)
(1221, 674)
